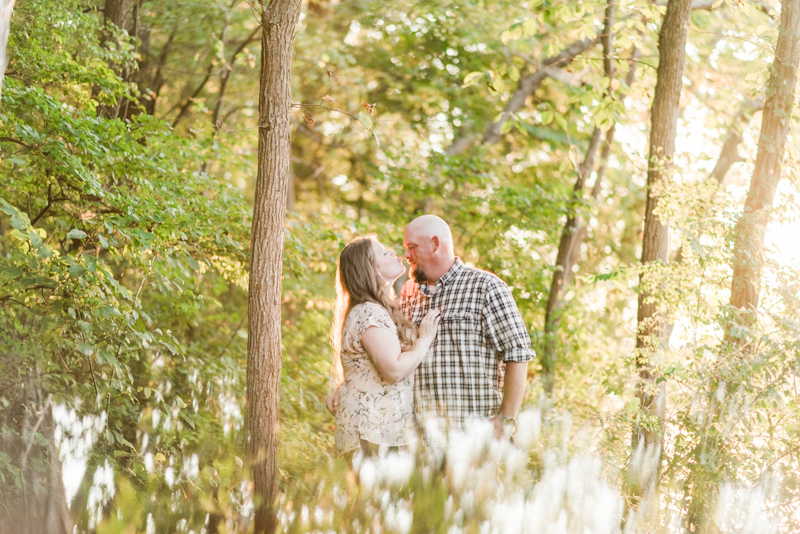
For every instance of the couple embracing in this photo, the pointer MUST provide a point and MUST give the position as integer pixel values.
(453, 349)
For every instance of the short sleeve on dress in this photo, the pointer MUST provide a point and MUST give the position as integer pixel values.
(361, 317)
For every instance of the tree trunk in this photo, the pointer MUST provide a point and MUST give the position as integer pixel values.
(646, 443)
(279, 22)
(748, 259)
(729, 154)
(124, 15)
(39, 504)
(150, 76)
(748, 251)
(571, 235)
(6, 8)
(561, 274)
(119, 13)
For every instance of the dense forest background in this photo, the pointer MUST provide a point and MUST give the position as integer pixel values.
(129, 141)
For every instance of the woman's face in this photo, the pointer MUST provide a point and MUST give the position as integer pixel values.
(387, 265)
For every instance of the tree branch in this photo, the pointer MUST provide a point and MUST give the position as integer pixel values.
(526, 86)
(228, 73)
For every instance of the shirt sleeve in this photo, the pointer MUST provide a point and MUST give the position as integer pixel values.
(365, 316)
(375, 315)
(504, 324)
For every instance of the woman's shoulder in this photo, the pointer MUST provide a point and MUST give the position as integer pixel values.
(369, 308)
(371, 312)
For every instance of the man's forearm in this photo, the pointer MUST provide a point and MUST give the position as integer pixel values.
(514, 388)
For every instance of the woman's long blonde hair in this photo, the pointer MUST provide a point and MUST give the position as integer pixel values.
(357, 282)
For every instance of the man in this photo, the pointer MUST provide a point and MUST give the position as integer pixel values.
(477, 366)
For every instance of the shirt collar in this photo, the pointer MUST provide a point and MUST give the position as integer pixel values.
(446, 278)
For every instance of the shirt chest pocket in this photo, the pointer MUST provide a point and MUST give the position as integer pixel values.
(460, 329)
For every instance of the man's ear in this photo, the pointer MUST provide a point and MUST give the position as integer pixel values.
(435, 243)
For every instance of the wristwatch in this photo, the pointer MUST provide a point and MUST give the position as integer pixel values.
(508, 421)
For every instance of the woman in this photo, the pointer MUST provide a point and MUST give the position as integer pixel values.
(375, 351)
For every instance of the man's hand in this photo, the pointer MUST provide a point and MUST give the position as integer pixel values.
(332, 402)
(503, 431)
(499, 432)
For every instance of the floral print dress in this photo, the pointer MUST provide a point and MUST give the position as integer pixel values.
(370, 408)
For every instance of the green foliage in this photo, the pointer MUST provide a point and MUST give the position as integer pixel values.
(124, 248)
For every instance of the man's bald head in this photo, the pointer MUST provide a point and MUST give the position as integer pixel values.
(428, 226)
(429, 248)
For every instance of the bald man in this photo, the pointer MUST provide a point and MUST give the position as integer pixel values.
(476, 367)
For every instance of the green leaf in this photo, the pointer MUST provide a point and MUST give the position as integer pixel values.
(193, 263)
(529, 27)
(472, 78)
(13, 272)
(18, 223)
(365, 120)
(7, 208)
(76, 271)
(36, 240)
(19, 235)
(76, 234)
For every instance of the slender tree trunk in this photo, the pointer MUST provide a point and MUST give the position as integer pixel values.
(216, 516)
(279, 21)
(560, 274)
(729, 154)
(646, 442)
(748, 255)
(150, 76)
(28, 437)
(122, 14)
(748, 252)
(581, 232)
(569, 245)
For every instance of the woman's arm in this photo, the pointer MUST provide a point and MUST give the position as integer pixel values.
(384, 348)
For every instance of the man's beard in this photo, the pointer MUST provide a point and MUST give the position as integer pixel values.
(418, 275)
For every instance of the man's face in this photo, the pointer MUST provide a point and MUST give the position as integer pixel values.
(419, 253)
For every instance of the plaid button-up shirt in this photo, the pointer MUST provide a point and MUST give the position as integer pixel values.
(461, 376)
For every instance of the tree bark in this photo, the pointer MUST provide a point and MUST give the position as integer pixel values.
(150, 77)
(119, 13)
(279, 22)
(569, 244)
(655, 244)
(123, 14)
(748, 251)
(6, 9)
(28, 437)
(561, 274)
